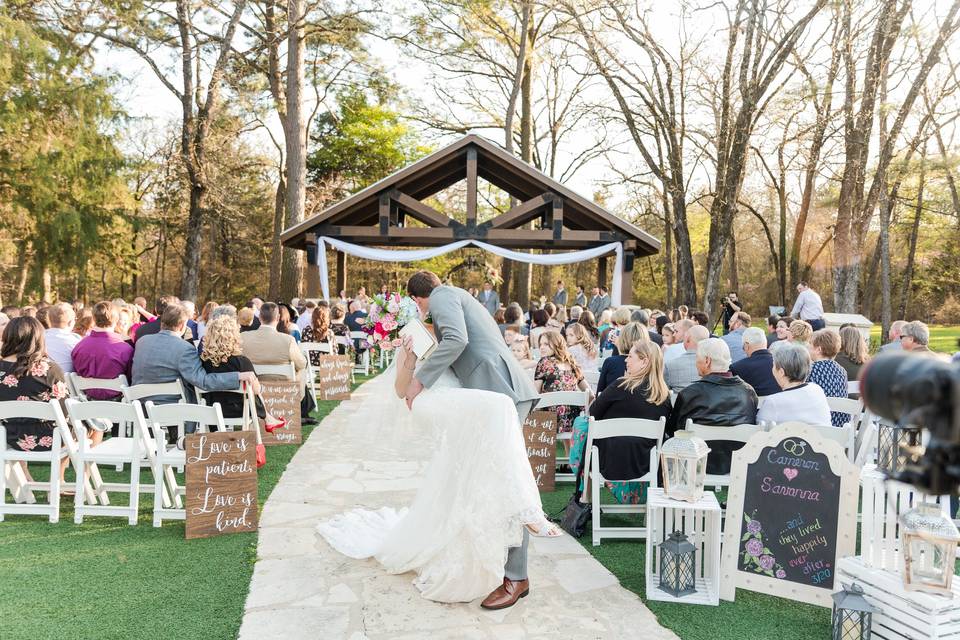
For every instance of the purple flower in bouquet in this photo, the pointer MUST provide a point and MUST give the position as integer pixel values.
(754, 547)
(781, 574)
(767, 562)
(754, 527)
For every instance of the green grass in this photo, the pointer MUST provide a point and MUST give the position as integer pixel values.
(752, 615)
(943, 338)
(106, 579)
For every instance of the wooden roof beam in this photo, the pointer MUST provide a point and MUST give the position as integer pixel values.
(522, 213)
(422, 212)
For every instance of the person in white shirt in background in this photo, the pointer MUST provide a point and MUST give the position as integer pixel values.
(809, 307)
(800, 400)
(305, 318)
(894, 336)
(675, 350)
(60, 338)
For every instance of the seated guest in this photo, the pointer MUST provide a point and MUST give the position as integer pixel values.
(640, 393)
(191, 333)
(676, 348)
(643, 317)
(42, 313)
(500, 316)
(104, 353)
(539, 320)
(552, 321)
(582, 348)
(590, 322)
(915, 337)
(304, 320)
(682, 371)
(668, 334)
(574, 316)
(125, 316)
(739, 322)
(558, 371)
(719, 398)
(782, 331)
(82, 325)
(826, 373)
(165, 356)
(205, 318)
(513, 317)
(60, 338)
(319, 331)
(893, 336)
(28, 374)
(615, 366)
(772, 321)
(853, 352)
(799, 399)
(4, 321)
(286, 323)
(512, 334)
(266, 345)
(222, 353)
(757, 368)
(801, 332)
(153, 326)
(618, 320)
(245, 319)
(11, 311)
(337, 315)
(604, 320)
(356, 317)
(520, 348)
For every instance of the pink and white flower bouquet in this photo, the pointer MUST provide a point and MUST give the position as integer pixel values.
(387, 314)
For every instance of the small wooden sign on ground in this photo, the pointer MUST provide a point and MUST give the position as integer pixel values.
(221, 483)
(282, 400)
(333, 377)
(540, 438)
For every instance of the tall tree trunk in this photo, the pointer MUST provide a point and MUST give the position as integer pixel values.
(887, 202)
(734, 277)
(914, 234)
(190, 280)
(295, 134)
(668, 253)
(47, 280)
(525, 269)
(23, 259)
(276, 249)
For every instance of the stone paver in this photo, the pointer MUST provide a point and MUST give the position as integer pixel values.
(301, 588)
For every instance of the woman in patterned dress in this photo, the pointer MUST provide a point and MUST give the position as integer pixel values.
(558, 371)
(27, 374)
(826, 373)
(319, 331)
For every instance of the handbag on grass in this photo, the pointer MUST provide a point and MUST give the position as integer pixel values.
(250, 419)
(576, 515)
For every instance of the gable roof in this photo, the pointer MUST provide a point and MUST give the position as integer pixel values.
(449, 165)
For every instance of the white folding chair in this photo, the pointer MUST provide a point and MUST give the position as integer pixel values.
(323, 348)
(849, 406)
(79, 385)
(13, 476)
(739, 433)
(592, 378)
(286, 371)
(560, 398)
(137, 450)
(364, 365)
(853, 387)
(229, 423)
(149, 390)
(613, 428)
(174, 416)
(845, 436)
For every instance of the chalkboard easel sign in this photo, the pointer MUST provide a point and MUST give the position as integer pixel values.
(540, 438)
(221, 483)
(791, 514)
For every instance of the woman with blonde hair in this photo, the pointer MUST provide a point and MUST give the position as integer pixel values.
(205, 318)
(853, 352)
(642, 392)
(582, 348)
(618, 320)
(616, 365)
(800, 332)
(223, 353)
(520, 348)
(558, 371)
(245, 318)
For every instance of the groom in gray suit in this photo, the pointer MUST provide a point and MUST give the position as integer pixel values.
(470, 343)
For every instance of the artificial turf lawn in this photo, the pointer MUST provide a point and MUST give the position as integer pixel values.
(106, 579)
(943, 338)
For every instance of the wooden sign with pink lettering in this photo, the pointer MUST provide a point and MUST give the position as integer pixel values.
(791, 514)
(221, 483)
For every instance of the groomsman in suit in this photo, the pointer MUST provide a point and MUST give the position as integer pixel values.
(489, 298)
(581, 299)
(596, 304)
(606, 300)
(560, 297)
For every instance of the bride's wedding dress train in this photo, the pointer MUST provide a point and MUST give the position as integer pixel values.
(477, 494)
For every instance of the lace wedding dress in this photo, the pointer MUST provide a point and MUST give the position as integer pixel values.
(477, 493)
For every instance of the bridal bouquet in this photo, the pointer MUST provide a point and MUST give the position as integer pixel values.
(388, 312)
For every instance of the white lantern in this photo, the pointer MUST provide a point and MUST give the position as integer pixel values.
(929, 543)
(683, 459)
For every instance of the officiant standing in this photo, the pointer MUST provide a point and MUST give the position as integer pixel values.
(489, 298)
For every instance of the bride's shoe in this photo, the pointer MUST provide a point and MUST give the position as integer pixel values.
(273, 426)
(547, 530)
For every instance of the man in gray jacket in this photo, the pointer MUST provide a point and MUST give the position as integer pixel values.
(470, 343)
(489, 298)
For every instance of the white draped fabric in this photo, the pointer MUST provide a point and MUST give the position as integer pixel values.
(391, 255)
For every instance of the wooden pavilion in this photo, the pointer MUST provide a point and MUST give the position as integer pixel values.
(377, 215)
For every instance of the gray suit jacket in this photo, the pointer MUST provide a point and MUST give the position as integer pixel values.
(491, 304)
(596, 305)
(470, 342)
(581, 300)
(560, 298)
(164, 357)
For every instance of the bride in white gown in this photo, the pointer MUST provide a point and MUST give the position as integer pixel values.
(477, 494)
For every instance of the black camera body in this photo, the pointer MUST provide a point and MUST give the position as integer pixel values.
(920, 391)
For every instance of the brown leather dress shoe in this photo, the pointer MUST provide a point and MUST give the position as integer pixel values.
(507, 594)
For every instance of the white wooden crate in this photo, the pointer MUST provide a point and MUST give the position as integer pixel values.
(902, 615)
(883, 503)
(700, 522)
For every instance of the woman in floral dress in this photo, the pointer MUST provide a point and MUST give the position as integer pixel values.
(319, 331)
(27, 374)
(558, 371)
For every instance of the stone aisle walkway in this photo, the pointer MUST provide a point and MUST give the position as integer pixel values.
(301, 588)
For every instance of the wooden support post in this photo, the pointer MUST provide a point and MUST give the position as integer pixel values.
(384, 214)
(312, 275)
(341, 272)
(557, 218)
(626, 278)
(602, 272)
(471, 186)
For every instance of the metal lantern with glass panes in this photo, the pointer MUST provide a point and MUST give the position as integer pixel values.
(928, 540)
(683, 459)
(852, 614)
(678, 565)
(896, 446)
